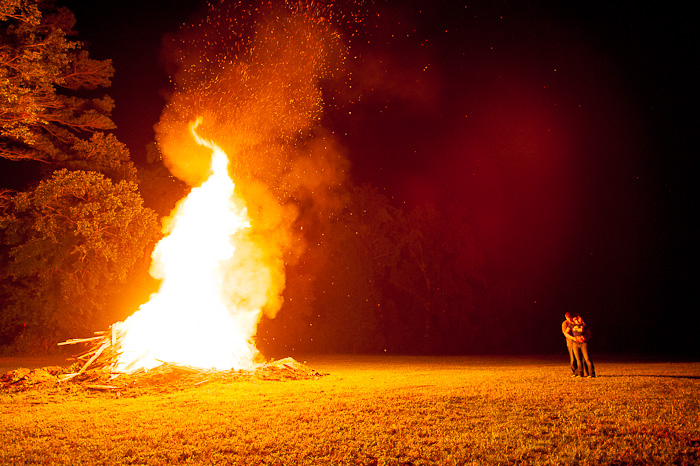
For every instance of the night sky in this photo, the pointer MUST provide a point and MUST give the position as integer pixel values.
(564, 129)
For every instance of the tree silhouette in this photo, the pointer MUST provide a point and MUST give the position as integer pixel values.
(377, 278)
(438, 276)
(68, 243)
(42, 71)
(353, 262)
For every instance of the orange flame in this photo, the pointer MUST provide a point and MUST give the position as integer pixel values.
(194, 318)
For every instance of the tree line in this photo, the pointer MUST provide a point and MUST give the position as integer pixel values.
(76, 229)
(377, 278)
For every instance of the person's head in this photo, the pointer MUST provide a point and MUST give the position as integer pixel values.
(568, 316)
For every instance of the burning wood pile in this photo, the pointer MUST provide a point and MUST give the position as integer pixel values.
(94, 369)
(215, 281)
(102, 353)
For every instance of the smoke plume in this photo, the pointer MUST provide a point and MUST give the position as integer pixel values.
(255, 74)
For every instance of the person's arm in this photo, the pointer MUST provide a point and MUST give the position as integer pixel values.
(586, 333)
(565, 329)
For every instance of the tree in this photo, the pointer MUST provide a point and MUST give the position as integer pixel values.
(43, 71)
(70, 243)
(352, 261)
(387, 280)
(438, 276)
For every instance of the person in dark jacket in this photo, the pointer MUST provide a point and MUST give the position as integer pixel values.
(566, 330)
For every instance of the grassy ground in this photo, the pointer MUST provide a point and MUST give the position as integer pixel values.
(374, 411)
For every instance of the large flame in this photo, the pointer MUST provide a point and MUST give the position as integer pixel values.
(194, 319)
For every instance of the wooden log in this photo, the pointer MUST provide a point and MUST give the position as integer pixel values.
(102, 387)
(80, 340)
(129, 368)
(89, 352)
(95, 356)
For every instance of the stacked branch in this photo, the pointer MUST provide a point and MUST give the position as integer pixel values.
(102, 354)
(98, 363)
(98, 370)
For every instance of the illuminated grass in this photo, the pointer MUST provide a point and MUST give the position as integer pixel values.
(376, 410)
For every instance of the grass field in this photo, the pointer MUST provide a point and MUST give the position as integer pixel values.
(375, 411)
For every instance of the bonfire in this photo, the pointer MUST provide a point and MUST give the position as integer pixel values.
(197, 325)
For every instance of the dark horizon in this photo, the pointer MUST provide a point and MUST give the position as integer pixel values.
(564, 131)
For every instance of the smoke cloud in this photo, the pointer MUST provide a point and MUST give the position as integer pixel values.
(255, 75)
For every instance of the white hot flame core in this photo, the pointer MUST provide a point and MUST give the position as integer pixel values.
(192, 319)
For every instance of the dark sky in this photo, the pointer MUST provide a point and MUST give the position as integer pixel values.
(565, 129)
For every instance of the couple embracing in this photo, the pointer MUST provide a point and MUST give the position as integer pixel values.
(577, 335)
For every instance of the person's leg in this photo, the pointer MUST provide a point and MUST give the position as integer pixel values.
(579, 362)
(587, 360)
(572, 358)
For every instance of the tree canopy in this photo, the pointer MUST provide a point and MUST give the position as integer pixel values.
(46, 77)
(69, 242)
(377, 278)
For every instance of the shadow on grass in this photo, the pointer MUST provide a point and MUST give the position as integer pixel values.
(691, 377)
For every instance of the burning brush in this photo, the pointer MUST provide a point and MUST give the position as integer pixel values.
(203, 316)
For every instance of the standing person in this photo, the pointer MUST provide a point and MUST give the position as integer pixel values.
(581, 334)
(566, 330)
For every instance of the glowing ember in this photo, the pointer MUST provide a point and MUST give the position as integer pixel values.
(194, 318)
